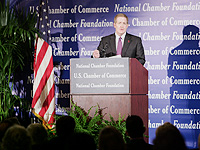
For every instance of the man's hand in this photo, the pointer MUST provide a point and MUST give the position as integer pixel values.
(96, 54)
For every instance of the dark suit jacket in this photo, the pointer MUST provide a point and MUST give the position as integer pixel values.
(132, 47)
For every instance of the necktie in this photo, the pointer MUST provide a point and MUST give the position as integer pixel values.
(119, 46)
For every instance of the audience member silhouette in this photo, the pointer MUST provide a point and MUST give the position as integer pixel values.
(135, 130)
(84, 141)
(168, 137)
(65, 126)
(4, 125)
(16, 138)
(39, 136)
(111, 139)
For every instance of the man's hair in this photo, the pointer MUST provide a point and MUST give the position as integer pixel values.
(38, 133)
(168, 137)
(65, 126)
(16, 138)
(120, 15)
(135, 126)
(111, 138)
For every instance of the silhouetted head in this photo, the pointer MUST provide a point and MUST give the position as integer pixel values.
(191, 36)
(38, 133)
(65, 126)
(190, 29)
(6, 124)
(16, 138)
(168, 137)
(134, 126)
(111, 139)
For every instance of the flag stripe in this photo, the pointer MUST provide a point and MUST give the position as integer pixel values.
(42, 63)
(44, 93)
(38, 46)
(41, 54)
(52, 119)
(45, 111)
(42, 75)
(42, 83)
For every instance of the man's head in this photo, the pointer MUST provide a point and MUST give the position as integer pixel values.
(168, 137)
(110, 138)
(134, 126)
(120, 24)
(65, 126)
(16, 138)
(38, 133)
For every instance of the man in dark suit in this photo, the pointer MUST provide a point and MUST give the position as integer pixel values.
(121, 43)
(135, 130)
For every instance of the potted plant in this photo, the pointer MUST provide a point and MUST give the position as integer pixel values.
(17, 31)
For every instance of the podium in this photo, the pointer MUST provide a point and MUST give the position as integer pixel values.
(120, 85)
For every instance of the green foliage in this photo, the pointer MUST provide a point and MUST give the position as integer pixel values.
(85, 123)
(17, 30)
(120, 124)
(91, 125)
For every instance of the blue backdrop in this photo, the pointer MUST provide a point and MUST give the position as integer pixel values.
(170, 35)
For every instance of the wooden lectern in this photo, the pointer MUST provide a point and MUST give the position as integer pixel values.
(134, 101)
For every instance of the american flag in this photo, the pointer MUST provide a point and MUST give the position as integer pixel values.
(43, 104)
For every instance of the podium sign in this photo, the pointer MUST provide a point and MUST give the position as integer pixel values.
(97, 76)
(118, 84)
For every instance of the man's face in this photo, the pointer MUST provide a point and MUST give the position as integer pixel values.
(121, 25)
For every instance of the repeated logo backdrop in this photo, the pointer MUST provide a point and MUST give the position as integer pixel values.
(170, 35)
